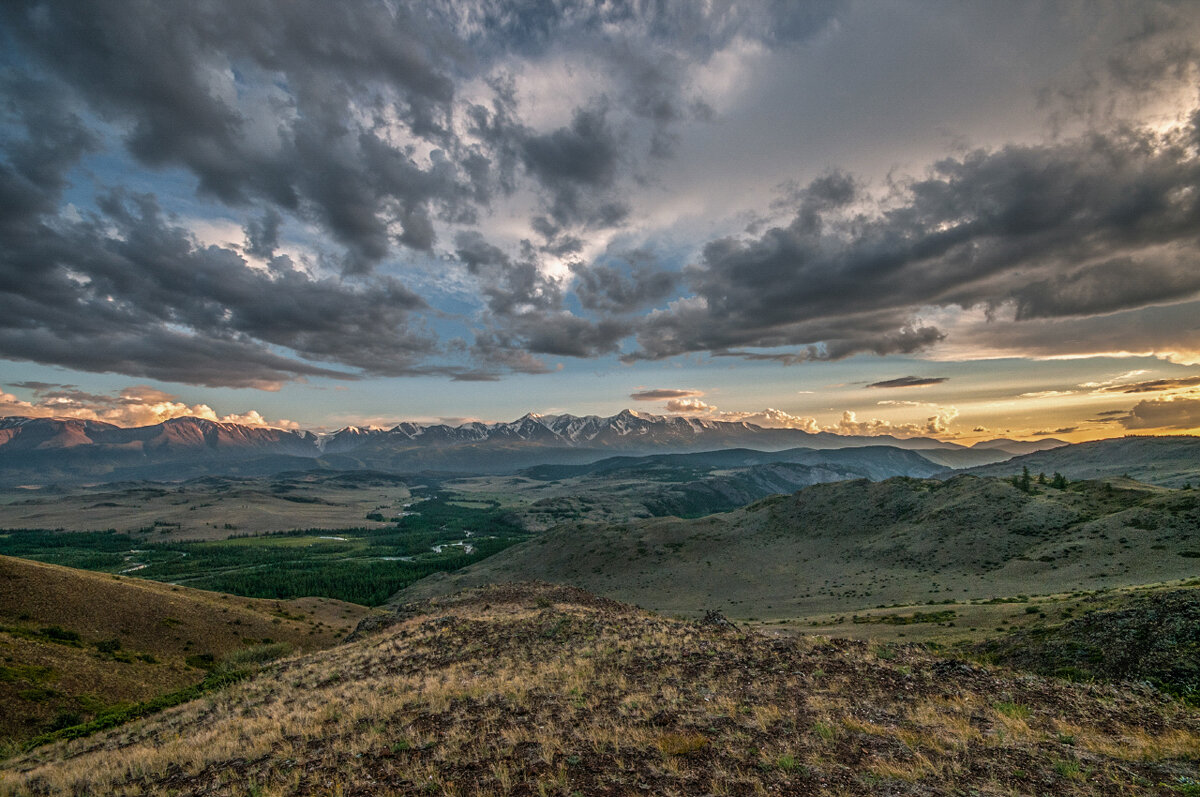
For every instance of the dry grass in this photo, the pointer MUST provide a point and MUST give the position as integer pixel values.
(500, 692)
(158, 627)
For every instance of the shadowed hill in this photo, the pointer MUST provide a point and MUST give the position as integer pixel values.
(75, 643)
(861, 544)
(618, 489)
(1166, 461)
(872, 462)
(541, 690)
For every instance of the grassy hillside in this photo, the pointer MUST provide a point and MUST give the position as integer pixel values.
(857, 545)
(1170, 461)
(74, 644)
(541, 690)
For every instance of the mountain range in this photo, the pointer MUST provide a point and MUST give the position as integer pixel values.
(46, 450)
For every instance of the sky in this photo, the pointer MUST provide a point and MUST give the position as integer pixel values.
(966, 220)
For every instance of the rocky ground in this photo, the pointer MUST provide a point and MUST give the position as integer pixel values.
(539, 690)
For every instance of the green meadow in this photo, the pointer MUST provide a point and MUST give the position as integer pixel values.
(360, 565)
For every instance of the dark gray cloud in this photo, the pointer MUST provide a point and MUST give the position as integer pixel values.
(910, 381)
(387, 134)
(534, 27)
(167, 77)
(127, 291)
(262, 235)
(575, 162)
(319, 111)
(1153, 385)
(526, 316)
(511, 285)
(614, 289)
(1170, 330)
(662, 394)
(1154, 55)
(1166, 413)
(566, 335)
(1099, 224)
(44, 139)
(40, 387)
(1111, 416)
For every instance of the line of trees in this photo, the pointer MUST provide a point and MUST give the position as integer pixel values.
(1024, 481)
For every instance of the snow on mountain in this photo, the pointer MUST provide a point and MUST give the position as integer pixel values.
(42, 449)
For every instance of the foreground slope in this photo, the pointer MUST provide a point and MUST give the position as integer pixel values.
(859, 544)
(75, 643)
(545, 690)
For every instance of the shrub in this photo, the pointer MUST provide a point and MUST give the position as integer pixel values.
(108, 645)
(58, 634)
(681, 743)
(787, 763)
(1069, 769)
(1014, 711)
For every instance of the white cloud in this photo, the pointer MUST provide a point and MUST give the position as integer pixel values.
(689, 405)
(139, 405)
(772, 418)
(1116, 379)
(938, 423)
(1042, 394)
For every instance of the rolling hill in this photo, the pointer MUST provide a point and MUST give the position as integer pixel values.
(535, 689)
(871, 462)
(1170, 461)
(75, 644)
(859, 544)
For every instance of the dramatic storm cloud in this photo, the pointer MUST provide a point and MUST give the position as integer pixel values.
(301, 196)
(1095, 225)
